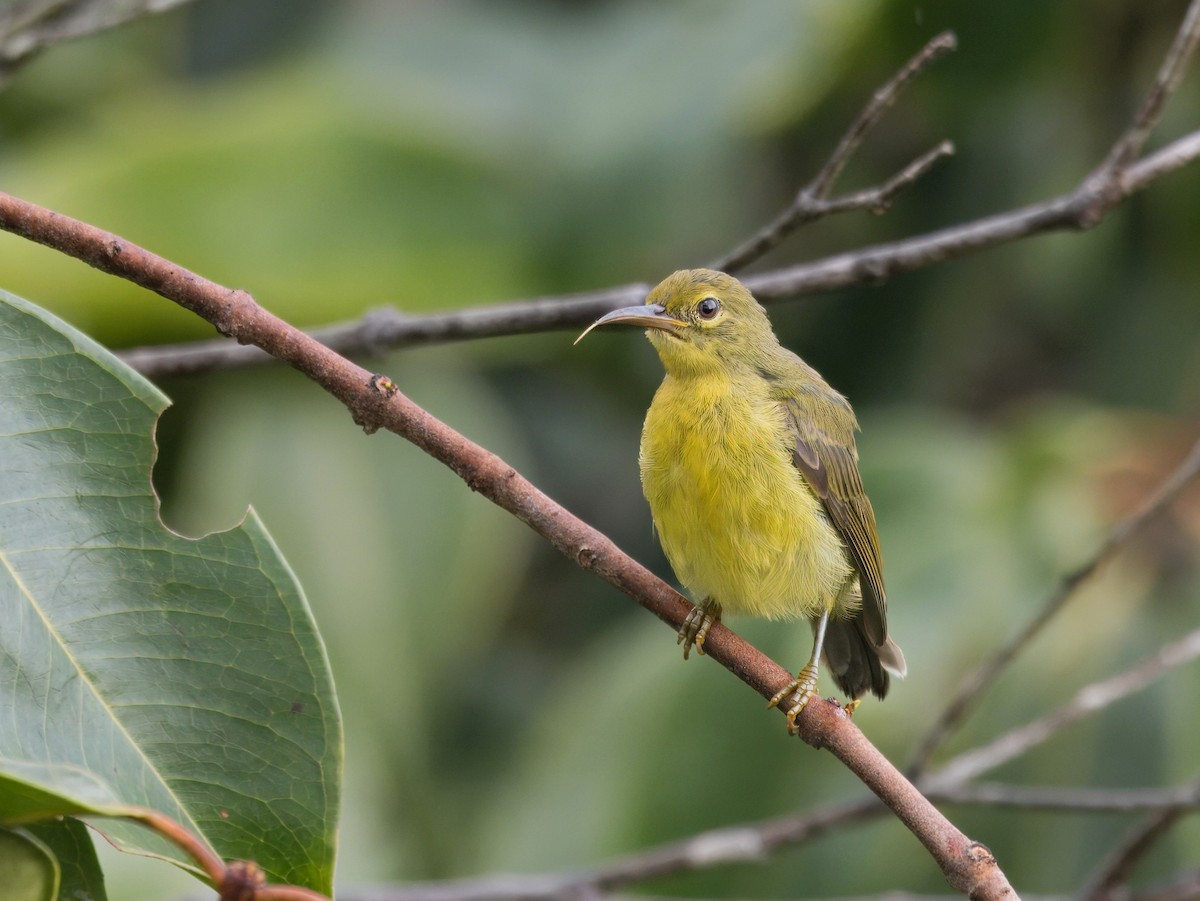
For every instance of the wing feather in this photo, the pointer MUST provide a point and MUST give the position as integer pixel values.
(829, 463)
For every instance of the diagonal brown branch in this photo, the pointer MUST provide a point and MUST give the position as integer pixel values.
(375, 402)
(975, 683)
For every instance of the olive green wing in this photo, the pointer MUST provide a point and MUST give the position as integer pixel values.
(828, 460)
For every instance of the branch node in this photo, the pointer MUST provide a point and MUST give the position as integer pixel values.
(980, 854)
(872, 270)
(383, 385)
(243, 879)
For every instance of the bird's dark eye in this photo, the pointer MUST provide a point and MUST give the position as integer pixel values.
(708, 307)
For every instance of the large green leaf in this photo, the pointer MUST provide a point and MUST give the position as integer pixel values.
(185, 674)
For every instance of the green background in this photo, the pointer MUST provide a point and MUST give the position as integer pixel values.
(504, 710)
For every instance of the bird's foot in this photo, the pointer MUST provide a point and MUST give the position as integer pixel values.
(695, 628)
(802, 689)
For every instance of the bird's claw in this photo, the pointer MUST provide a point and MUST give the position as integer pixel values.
(803, 689)
(695, 628)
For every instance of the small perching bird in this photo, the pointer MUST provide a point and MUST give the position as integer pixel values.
(749, 465)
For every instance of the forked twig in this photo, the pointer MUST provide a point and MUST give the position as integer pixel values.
(1113, 181)
(812, 203)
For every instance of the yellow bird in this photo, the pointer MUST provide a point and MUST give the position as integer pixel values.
(749, 465)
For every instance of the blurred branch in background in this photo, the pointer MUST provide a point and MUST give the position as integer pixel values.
(755, 842)
(29, 26)
(975, 683)
(1116, 179)
(386, 328)
(1087, 700)
(1111, 877)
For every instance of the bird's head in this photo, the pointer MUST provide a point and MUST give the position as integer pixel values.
(700, 320)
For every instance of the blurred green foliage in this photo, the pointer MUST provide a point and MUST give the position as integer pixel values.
(505, 711)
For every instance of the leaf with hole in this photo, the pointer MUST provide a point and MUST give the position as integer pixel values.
(184, 675)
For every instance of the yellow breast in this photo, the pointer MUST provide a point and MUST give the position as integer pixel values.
(735, 517)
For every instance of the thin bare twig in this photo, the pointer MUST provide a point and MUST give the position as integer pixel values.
(811, 201)
(878, 199)
(746, 843)
(1091, 698)
(1082, 208)
(1113, 873)
(1109, 800)
(182, 838)
(754, 842)
(235, 880)
(1112, 182)
(375, 402)
(388, 328)
(975, 683)
(883, 99)
(28, 28)
(1170, 73)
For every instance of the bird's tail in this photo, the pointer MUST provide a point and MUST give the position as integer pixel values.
(858, 664)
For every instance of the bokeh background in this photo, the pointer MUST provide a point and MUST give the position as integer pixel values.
(504, 710)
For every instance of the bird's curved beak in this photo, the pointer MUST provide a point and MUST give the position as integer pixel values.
(652, 315)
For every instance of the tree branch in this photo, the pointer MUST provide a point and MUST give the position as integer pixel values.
(811, 203)
(1113, 873)
(238, 879)
(755, 842)
(28, 28)
(1170, 74)
(388, 328)
(746, 843)
(1087, 700)
(1108, 800)
(375, 402)
(1084, 207)
(975, 683)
